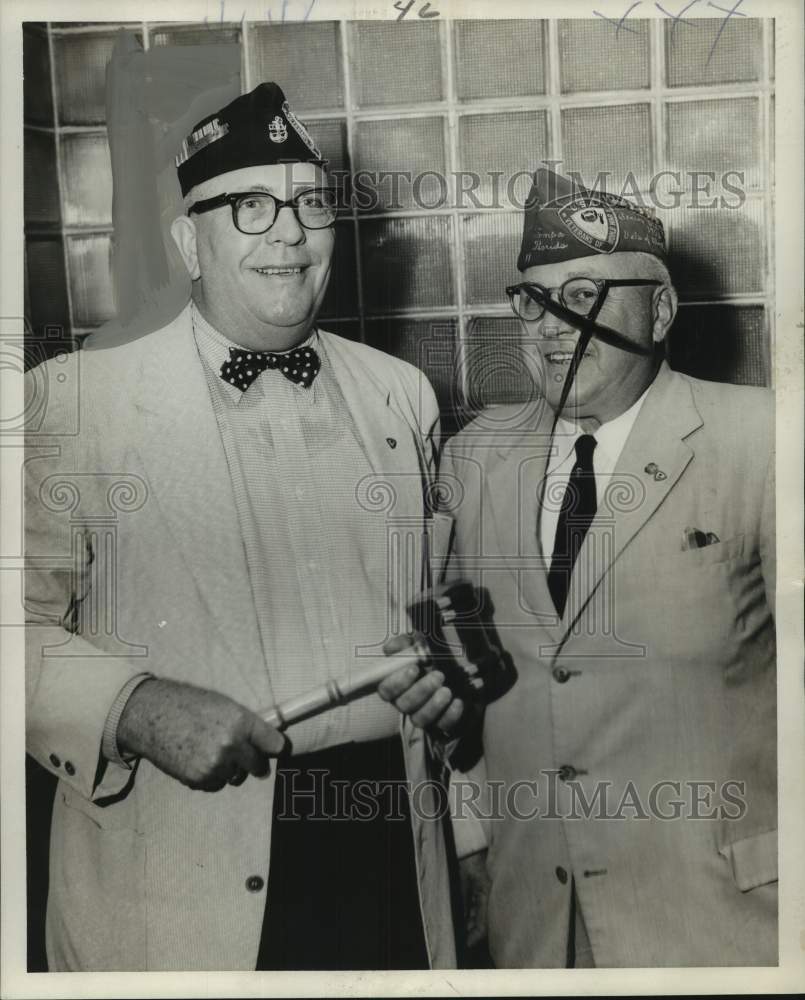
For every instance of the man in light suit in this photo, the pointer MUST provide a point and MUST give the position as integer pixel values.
(623, 524)
(208, 518)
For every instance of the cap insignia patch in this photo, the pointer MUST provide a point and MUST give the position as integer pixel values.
(277, 132)
(592, 221)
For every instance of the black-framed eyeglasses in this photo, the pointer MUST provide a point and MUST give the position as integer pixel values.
(255, 212)
(582, 296)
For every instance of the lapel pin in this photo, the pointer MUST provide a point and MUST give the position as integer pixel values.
(391, 442)
(652, 469)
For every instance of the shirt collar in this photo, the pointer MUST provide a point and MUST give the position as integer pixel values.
(610, 437)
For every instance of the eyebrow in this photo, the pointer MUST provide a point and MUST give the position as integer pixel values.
(262, 189)
(575, 274)
(254, 187)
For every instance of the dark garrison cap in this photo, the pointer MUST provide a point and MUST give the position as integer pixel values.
(256, 129)
(564, 220)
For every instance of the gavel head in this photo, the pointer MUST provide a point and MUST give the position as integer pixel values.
(456, 622)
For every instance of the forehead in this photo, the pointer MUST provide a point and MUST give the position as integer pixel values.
(281, 179)
(615, 265)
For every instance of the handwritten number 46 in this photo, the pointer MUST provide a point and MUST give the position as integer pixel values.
(424, 10)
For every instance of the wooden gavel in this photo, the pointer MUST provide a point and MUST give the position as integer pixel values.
(452, 636)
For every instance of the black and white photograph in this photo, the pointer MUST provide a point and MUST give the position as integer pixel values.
(402, 498)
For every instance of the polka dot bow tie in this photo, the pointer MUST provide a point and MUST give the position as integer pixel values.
(300, 366)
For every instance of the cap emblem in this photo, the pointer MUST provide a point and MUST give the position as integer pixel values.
(592, 222)
(277, 132)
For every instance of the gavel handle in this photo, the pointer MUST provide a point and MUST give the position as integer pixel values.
(338, 691)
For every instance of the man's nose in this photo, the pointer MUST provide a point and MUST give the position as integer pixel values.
(286, 228)
(550, 326)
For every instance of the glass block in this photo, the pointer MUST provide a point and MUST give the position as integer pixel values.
(410, 146)
(87, 173)
(692, 59)
(81, 77)
(721, 343)
(614, 141)
(341, 298)
(499, 366)
(195, 34)
(429, 344)
(47, 282)
(37, 94)
(509, 143)
(90, 280)
(406, 263)
(397, 62)
(716, 136)
(305, 59)
(593, 57)
(41, 192)
(499, 58)
(491, 244)
(330, 135)
(718, 251)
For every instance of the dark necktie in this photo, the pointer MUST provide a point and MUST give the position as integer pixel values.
(575, 516)
(300, 366)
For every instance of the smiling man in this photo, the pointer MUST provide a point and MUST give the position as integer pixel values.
(623, 523)
(250, 566)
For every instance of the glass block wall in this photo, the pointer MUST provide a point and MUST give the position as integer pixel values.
(427, 284)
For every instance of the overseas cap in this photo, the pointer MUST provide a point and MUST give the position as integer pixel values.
(564, 220)
(256, 129)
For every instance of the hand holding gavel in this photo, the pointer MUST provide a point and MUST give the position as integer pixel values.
(452, 644)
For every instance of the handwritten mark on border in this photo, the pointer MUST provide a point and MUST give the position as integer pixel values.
(620, 24)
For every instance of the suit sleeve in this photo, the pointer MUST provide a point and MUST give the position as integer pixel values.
(468, 791)
(429, 422)
(71, 684)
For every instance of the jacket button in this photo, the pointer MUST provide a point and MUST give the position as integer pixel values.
(567, 772)
(69, 768)
(560, 675)
(561, 874)
(254, 883)
(54, 760)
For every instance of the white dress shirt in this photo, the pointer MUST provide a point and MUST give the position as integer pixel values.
(317, 560)
(611, 437)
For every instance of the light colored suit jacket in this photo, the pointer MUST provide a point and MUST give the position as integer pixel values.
(662, 670)
(136, 562)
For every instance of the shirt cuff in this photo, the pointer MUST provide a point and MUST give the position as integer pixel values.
(109, 747)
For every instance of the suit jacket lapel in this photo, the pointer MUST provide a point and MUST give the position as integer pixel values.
(390, 439)
(513, 492)
(187, 468)
(653, 459)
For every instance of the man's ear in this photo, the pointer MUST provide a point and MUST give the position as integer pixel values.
(183, 231)
(664, 305)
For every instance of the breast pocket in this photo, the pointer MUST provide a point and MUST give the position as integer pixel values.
(710, 555)
(689, 603)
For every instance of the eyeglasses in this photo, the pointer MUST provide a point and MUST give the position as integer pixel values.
(582, 296)
(255, 212)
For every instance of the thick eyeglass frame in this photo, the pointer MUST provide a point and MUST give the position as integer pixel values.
(544, 295)
(234, 201)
